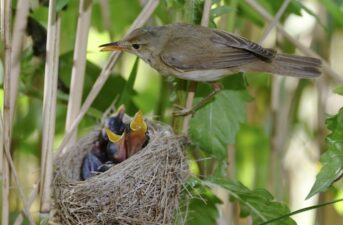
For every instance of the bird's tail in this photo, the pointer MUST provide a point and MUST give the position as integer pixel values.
(290, 65)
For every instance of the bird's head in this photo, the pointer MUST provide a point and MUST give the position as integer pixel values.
(143, 42)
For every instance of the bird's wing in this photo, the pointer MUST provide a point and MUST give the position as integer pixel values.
(234, 41)
(193, 53)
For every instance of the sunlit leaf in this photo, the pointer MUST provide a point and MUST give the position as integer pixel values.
(259, 203)
(332, 159)
(215, 125)
(128, 91)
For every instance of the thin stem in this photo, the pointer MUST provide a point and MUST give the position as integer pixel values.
(22, 12)
(79, 65)
(307, 51)
(106, 71)
(7, 125)
(49, 106)
(275, 20)
(27, 204)
(192, 88)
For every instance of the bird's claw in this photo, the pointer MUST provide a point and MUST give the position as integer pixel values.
(183, 112)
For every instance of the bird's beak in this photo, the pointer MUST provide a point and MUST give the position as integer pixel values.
(120, 112)
(114, 138)
(138, 122)
(113, 46)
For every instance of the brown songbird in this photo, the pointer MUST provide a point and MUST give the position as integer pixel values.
(136, 135)
(203, 54)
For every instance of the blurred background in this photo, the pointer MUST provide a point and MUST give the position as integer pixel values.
(275, 143)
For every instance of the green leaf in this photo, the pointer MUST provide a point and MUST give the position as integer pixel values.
(221, 10)
(332, 159)
(128, 92)
(339, 90)
(258, 203)
(334, 9)
(202, 207)
(215, 125)
(60, 4)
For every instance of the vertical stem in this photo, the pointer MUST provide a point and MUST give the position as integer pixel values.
(22, 12)
(6, 39)
(49, 106)
(190, 96)
(79, 66)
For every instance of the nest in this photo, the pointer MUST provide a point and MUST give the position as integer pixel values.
(143, 189)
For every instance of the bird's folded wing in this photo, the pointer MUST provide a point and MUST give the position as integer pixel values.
(197, 54)
(234, 41)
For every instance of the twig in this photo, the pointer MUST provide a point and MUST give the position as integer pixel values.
(27, 204)
(275, 20)
(106, 71)
(26, 210)
(22, 12)
(49, 105)
(307, 51)
(6, 39)
(192, 87)
(79, 65)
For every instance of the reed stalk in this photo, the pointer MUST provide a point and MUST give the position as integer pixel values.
(7, 117)
(49, 107)
(79, 66)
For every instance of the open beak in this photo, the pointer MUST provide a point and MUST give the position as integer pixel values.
(113, 46)
(138, 122)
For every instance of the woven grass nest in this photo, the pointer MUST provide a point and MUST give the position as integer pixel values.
(143, 189)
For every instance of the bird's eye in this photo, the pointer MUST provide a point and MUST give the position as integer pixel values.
(135, 46)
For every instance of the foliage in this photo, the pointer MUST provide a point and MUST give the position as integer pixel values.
(332, 159)
(239, 115)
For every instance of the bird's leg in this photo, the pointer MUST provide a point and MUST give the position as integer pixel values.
(217, 87)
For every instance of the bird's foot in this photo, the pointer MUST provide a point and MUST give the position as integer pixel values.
(182, 111)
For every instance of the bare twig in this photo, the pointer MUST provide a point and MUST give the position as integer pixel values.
(26, 210)
(27, 204)
(6, 39)
(106, 71)
(22, 12)
(49, 106)
(192, 87)
(275, 20)
(79, 65)
(307, 51)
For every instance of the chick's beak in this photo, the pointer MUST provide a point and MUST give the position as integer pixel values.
(121, 112)
(138, 122)
(113, 46)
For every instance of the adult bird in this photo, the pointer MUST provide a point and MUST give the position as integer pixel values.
(203, 54)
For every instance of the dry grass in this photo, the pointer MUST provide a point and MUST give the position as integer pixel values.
(143, 189)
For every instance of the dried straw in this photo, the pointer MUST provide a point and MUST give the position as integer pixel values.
(143, 189)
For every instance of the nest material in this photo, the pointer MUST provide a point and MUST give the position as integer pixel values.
(143, 189)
